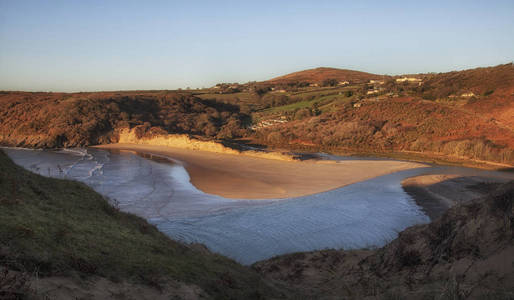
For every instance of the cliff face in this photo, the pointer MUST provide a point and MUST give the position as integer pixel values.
(467, 253)
(158, 137)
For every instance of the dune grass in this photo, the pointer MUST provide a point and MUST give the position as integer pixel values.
(60, 227)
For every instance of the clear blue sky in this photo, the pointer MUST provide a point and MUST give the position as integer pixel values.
(117, 45)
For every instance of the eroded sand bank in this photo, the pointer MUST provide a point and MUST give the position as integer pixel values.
(245, 177)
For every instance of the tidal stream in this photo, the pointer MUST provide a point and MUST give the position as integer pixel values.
(362, 215)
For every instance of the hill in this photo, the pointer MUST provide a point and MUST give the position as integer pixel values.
(318, 75)
(458, 115)
(464, 115)
(49, 120)
(480, 81)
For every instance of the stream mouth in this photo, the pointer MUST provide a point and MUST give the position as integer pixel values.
(366, 214)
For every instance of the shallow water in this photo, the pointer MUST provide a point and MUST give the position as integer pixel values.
(365, 214)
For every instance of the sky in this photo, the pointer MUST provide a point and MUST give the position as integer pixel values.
(127, 45)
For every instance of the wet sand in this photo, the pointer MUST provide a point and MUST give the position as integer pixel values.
(244, 177)
(436, 193)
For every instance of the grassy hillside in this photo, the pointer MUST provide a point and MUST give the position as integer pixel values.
(51, 227)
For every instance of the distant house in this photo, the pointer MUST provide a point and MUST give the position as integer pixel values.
(372, 81)
(468, 95)
(408, 79)
(313, 85)
(358, 104)
(371, 92)
(343, 83)
(269, 123)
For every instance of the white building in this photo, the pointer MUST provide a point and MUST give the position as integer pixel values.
(408, 79)
(468, 95)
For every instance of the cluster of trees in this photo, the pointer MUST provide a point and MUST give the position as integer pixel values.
(229, 88)
(330, 82)
(477, 148)
(272, 100)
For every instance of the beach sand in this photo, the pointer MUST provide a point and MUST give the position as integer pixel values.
(244, 177)
(436, 193)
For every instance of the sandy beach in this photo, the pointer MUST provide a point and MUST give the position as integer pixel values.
(436, 193)
(244, 177)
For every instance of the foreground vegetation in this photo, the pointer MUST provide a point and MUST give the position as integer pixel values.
(51, 227)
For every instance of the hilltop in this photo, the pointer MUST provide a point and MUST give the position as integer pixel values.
(319, 75)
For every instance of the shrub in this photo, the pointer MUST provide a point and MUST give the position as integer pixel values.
(489, 92)
(13, 285)
(274, 137)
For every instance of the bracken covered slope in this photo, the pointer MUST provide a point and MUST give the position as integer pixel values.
(49, 120)
(464, 115)
(431, 118)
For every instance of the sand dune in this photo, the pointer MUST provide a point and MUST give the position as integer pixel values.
(244, 177)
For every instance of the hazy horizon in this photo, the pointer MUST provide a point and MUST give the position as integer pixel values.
(73, 46)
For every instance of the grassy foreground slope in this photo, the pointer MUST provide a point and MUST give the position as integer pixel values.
(51, 227)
